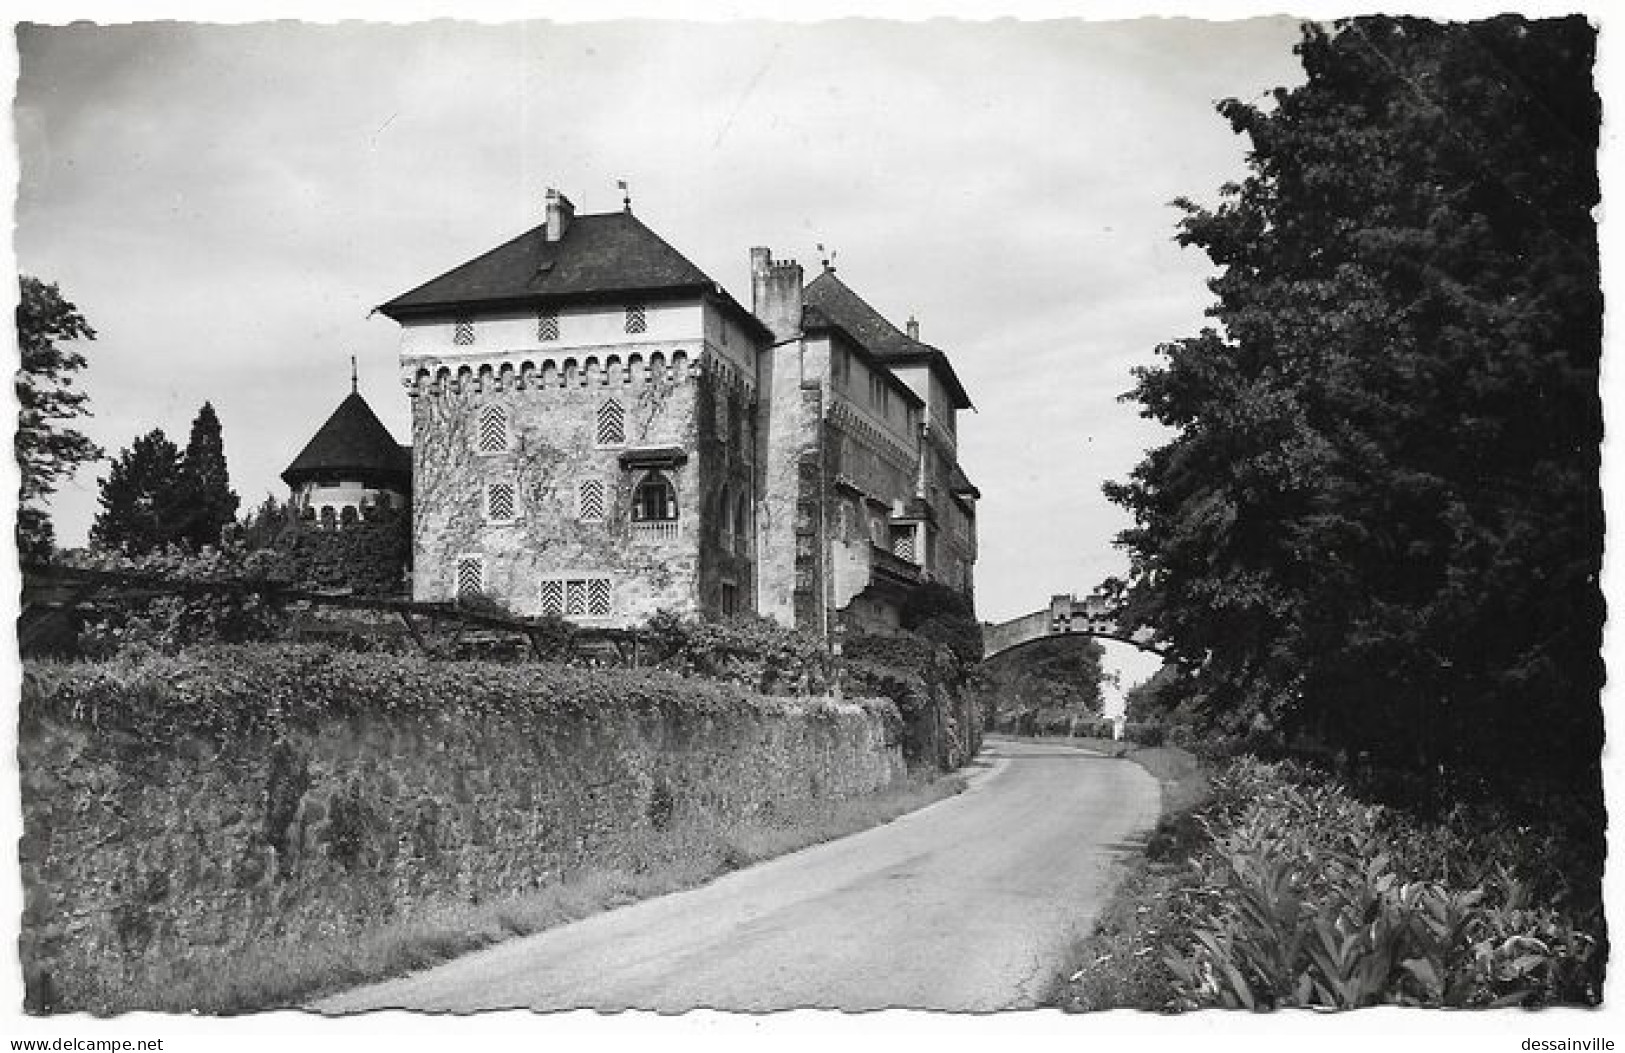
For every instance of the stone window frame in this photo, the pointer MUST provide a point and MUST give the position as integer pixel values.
(493, 420)
(491, 486)
(462, 331)
(465, 567)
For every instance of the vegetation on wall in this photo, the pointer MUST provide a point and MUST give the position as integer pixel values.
(925, 679)
(186, 814)
(944, 615)
(1379, 523)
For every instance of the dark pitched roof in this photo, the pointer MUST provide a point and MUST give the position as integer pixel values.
(814, 320)
(602, 256)
(834, 300)
(354, 443)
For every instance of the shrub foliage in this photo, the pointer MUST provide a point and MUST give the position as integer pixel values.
(1286, 890)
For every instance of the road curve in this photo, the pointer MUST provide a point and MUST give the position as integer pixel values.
(968, 905)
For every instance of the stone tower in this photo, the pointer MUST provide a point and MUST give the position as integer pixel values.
(583, 406)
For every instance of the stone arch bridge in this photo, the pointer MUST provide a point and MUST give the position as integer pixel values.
(1067, 616)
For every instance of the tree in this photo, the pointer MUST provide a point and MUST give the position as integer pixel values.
(944, 614)
(264, 527)
(48, 450)
(1380, 520)
(213, 504)
(1058, 677)
(146, 498)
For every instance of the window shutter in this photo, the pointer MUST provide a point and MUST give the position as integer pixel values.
(493, 429)
(470, 576)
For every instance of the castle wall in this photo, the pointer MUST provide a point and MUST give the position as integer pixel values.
(551, 453)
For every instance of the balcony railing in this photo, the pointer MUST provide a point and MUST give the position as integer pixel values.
(655, 530)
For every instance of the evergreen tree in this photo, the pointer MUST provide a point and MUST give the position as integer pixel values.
(213, 504)
(146, 498)
(265, 526)
(48, 451)
(1380, 519)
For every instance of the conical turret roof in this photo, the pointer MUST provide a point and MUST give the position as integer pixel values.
(353, 444)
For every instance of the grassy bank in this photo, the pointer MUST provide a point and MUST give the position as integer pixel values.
(1273, 885)
(686, 854)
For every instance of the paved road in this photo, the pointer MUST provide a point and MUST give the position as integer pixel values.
(969, 904)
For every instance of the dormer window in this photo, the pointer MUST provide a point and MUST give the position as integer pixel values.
(462, 332)
(547, 324)
(636, 321)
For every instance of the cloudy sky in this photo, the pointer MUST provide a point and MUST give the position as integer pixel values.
(227, 203)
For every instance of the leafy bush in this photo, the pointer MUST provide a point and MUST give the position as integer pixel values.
(1093, 728)
(757, 652)
(1145, 734)
(943, 615)
(1309, 897)
(168, 623)
(368, 556)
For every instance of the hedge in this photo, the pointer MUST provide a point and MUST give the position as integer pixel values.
(228, 691)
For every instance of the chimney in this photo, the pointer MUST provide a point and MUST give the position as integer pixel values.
(559, 214)
(913, 328)
(775, 293)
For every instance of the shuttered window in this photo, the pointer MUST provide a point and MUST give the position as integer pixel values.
(611, 424)
(499, 502)
(493, 429)
(470, 576)
(590, 501)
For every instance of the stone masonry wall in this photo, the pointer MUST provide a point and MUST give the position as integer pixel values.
(178, 812)
(552, 450)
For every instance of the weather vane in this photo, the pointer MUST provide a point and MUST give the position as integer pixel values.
(829, 256)
(626, 194)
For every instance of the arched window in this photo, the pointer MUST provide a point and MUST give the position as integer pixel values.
(328, 516)
(493, 429)
(348, 515)
(742, 525)
(655, 500)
